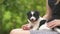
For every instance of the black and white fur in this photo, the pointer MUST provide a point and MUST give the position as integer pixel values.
(38, 22)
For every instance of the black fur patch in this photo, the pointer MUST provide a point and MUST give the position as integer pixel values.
(42, 22)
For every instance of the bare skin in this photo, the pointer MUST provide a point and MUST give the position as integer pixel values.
(18, 31)
(53, 23)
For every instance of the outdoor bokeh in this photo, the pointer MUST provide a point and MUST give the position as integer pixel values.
(13, 13)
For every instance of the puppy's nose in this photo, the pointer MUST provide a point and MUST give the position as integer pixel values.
(32, 19)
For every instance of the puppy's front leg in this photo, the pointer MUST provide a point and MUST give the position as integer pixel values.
(35, 27)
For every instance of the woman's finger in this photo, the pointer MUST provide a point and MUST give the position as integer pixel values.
(53, 26)
(50, 24)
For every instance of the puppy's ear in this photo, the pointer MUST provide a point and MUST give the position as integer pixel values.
(37, 12)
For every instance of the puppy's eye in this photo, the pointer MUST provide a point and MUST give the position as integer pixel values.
(29, 15)
(36, 14)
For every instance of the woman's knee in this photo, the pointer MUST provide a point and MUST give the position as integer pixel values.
(19, 31)
(13, 31)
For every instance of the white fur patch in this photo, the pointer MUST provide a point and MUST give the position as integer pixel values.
(33, 18)
(32, 12)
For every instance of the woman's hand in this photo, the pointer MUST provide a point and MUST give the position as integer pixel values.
(54, 23)
(25, 27)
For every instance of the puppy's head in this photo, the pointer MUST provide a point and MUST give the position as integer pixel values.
(33, 16)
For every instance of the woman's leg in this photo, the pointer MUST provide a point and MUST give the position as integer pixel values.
(19, 31)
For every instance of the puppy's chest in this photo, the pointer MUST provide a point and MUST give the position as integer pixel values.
(35, 24)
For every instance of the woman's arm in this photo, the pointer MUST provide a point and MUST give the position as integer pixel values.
(48, 11)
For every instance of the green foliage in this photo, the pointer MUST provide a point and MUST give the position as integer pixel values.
(13, 12)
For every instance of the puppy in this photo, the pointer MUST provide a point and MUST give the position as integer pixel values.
(35, 21)
(38, 23)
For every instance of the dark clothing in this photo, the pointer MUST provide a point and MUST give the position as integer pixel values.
(55, 9)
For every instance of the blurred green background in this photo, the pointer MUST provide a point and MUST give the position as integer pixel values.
(13, 13)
